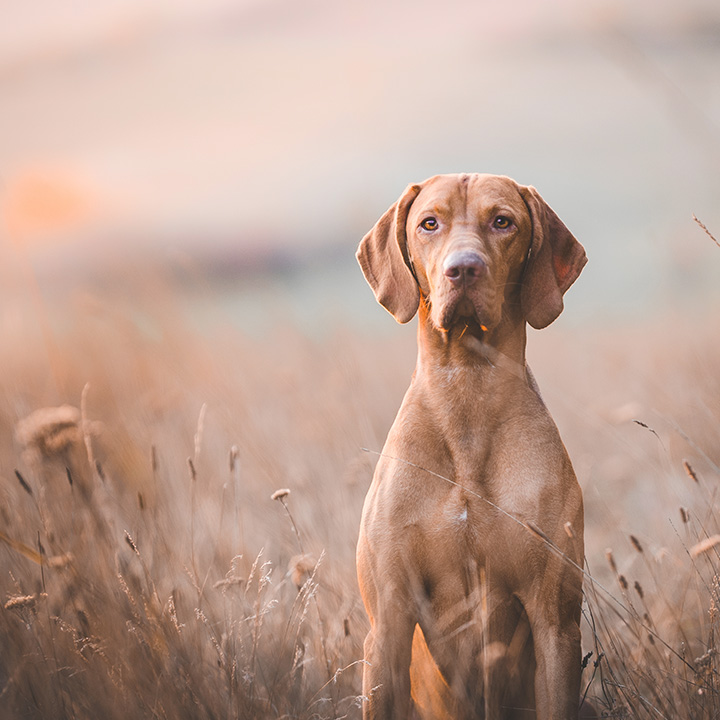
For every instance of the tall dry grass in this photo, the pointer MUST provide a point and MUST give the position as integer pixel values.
(147, 571)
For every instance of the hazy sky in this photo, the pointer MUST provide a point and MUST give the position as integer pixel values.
(259, 124)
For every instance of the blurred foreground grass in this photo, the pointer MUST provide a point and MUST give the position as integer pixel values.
(145, 570)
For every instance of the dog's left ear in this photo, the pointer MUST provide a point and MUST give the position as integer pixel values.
(555, 261)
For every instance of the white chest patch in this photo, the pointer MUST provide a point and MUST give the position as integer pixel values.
(462, 517)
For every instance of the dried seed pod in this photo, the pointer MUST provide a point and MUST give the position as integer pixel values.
(704, 545)
(611, 560)
(690, 472)
(636, 543)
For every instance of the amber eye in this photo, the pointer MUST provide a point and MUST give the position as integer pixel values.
(502, 223)
(430, 224)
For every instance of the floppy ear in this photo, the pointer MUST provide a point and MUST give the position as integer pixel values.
(554, 263)
(385, 263)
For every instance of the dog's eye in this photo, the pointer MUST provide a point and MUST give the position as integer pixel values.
(502, 223)
(430, 224)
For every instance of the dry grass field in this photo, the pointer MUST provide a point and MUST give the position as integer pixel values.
(147, 572)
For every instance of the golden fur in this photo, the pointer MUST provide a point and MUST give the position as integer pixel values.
(471, 539)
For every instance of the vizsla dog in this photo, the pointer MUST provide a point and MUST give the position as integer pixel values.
(471, 544)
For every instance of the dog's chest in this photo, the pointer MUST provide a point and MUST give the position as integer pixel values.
(464, 535)
(476, 517)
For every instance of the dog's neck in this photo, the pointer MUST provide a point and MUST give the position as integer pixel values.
(466, 346)
(467, 379)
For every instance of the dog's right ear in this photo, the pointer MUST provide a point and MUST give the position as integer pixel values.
(384, 260)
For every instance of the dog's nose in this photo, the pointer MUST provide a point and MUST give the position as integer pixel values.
(464, 267)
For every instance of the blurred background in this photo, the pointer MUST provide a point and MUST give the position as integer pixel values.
(184, 329)
(244, 147)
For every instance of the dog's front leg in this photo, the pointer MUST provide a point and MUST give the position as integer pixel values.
(557, 677)
(386, 675)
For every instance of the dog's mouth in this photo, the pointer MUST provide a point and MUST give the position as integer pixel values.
(469, 328)
(461, 312)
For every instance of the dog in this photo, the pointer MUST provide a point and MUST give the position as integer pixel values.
(470, 550)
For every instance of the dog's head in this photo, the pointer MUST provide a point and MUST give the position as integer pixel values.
(469, 244)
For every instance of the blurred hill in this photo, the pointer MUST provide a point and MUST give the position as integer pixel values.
(257, 135)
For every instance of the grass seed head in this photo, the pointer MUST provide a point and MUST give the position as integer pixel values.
(690, 472)
(704, 546)
(50, 430)
(301, 568)
(23, 483)
(611, 560)
(131, 543)
(636, 543)
(16, 602)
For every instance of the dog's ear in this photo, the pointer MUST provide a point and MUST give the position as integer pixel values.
(384, 260)
(555, 261)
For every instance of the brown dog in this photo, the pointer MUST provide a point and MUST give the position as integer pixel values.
(472, 530)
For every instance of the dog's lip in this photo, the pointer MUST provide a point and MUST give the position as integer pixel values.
(466, 321)
(471, 324)
(462, 308)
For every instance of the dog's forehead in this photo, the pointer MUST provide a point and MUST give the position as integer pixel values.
(456, 192)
